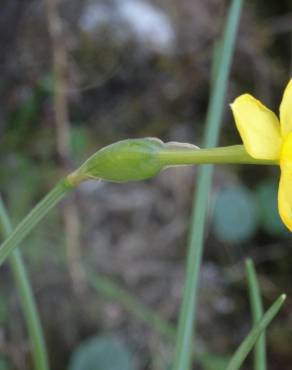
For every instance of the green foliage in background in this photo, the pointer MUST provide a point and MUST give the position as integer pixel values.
(102, 353)
(238, 214)
(266, 196)
(235, 215)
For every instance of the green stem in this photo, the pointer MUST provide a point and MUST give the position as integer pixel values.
(183, 353)
(234, 154)
(166, 157)
(257, 313)
(39, 350)
(33, 218)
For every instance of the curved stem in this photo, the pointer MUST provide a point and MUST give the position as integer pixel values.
(234, 154)
(167, 157)
(30, 311)
(33, 218)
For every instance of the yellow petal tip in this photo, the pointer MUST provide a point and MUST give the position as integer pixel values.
(258, 127)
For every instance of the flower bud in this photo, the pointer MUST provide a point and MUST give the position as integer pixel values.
(126, 160)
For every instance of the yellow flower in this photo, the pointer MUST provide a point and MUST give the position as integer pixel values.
(266, 137)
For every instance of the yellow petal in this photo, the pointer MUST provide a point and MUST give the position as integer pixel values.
(258, 126)
(285, 187)
(286, 110)
(285, 198)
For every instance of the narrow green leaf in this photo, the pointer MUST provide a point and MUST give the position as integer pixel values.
(110, 289)
(248, 343)
(183, 353)
(260, 362)
(39, 350)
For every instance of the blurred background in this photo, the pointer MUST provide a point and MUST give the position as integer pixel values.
(78, 75)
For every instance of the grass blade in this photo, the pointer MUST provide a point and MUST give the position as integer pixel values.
(111, 290)
(108, 288)
(248, 343)
(182, 359)
(39, 351)
(260, 361)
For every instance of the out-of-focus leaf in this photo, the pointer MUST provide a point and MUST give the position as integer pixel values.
(266, 193)
(79, 140)
(214, 362)
(235, 215)
(4, 312)
(102, 353)
(46, 84)
(4, 364)
(23, 180)
(24, 113)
